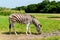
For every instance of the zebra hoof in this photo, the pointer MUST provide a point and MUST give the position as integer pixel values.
(39, 33)
(16, 34)
(27, 34)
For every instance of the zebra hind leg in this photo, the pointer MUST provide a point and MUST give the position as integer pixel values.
(10, 28)
(13, 24)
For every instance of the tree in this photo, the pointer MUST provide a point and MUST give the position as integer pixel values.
(42, 6)
(31, 8)
(45, 6)
(58, 7)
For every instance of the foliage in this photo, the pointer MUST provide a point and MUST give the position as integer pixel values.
(44, 7)
(31, 8)
(9, 11)
(22, 11)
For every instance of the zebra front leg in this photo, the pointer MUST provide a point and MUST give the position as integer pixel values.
(28, 29)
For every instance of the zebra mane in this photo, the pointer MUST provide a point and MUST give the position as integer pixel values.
(32, 16)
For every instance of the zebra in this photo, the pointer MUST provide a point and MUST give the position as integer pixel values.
(24, 19)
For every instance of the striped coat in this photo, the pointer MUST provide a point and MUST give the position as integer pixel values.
(20, 18)
(23, 18)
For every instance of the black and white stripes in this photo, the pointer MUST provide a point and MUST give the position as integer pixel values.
(23, 18)
(20, 18)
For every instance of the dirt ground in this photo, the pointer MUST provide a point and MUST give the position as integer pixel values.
(27, 37)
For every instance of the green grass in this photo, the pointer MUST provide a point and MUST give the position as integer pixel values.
(48, 25)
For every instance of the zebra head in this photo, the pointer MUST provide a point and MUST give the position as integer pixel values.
(38, 27)
(37, 24)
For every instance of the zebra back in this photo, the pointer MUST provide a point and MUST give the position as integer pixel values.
(21, 18)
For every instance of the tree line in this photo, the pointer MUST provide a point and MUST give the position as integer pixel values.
(45, 6)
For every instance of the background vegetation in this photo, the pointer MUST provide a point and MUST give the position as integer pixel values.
(46, 6)
(7, 11)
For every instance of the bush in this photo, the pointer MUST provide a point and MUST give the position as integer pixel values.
(22, 11)
(8, 12)
(5, 13)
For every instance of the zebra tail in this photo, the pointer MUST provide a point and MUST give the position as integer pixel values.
(9, 27)
(9, 24)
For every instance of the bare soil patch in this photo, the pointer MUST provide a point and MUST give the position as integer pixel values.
(27, 37)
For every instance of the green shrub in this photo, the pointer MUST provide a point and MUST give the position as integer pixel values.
(5, 13)
(8, 12)
(22, 11)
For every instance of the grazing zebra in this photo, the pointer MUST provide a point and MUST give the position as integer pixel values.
(23, 18)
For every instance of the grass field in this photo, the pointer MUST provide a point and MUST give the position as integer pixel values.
(48, 24)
